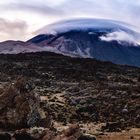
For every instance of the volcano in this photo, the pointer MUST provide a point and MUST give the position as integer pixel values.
(104, 40)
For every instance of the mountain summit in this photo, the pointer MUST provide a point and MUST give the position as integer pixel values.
(105, 40)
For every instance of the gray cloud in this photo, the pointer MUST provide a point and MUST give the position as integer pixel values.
(122, 10)
(12, 29)
(41, 8)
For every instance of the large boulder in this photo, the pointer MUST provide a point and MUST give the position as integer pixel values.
(20, 107)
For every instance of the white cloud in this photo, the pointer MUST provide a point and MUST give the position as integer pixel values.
(121, 36)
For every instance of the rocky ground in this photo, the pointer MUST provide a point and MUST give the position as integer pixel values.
(101, 97)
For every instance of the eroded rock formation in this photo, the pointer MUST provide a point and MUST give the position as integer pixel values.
(20, 107)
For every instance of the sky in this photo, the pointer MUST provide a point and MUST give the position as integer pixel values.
(19, 19)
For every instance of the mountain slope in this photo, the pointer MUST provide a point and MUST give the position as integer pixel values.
(92, 38)
(77, 89)
(15, 47)
(104, 40)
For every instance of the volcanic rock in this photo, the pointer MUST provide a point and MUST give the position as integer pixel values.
(19, 107)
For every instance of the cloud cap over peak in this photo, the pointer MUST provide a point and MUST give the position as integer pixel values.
(37, 13)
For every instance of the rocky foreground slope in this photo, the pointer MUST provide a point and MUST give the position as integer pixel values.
(67, 91)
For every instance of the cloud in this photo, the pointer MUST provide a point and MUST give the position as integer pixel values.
(37, 13)
(40, 8)
(12, 29)
(122, 10)
(121, 37)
